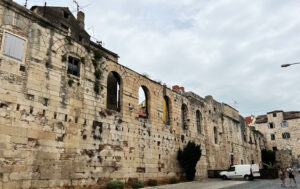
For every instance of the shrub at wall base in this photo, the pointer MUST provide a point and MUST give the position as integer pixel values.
(188, 158)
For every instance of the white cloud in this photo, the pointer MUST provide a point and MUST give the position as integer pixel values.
(230, 49)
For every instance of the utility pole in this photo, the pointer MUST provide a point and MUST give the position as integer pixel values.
(25, 4)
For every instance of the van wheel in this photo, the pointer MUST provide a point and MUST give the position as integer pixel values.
(247, 177)
(224, 177)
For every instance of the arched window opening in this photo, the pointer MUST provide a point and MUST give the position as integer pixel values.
(184, 113)
(113, 91)
(166, 110)
(198, 121)
(215, 135)
(143, 102)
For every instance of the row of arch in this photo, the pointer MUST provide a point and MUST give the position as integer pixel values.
(114, 92)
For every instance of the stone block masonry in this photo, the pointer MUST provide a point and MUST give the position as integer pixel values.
(70, 113)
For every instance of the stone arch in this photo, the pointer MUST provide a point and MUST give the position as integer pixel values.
(184, 116)
(198, 121)
(166, 110)
(114, 91)
(144, 99)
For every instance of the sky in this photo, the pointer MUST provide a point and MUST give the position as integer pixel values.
(229, 49)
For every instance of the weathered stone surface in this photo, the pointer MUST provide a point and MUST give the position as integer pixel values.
(56, 131)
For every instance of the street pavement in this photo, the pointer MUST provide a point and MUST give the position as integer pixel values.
(231, 184)
(266, 184)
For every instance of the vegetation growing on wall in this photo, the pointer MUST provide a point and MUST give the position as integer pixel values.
(82, 60)
(70, 82)
(188, 158)
(268, 158)
(64, 57)
(98, 72)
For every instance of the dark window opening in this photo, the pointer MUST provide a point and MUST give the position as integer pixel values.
(45, 101)
(184, 114)
(166, 110)
(54, 115)
(18, 107)
(252, 161)
(22, 68)
(80, 38)
(286, 135)
(31, 110)
(216, 135)
(66, 15)
(274, 148)
(66, 117)
(44, 113)
(73, 66)
(113, 91)
(274, 114)
(198, 121)
(76, 119)
(271, 126)
(272, 137)
(143, 102)
(30, 97)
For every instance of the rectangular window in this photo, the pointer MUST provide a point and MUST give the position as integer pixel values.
(271, 126)
(272, 137)
(73, 66)
(14, 46)
(274, 114)
(286, 135)
(284, 124)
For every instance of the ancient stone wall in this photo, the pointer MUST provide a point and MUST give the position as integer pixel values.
(56, 129)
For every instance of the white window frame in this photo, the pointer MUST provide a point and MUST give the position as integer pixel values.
(284, 124)
(4, 33)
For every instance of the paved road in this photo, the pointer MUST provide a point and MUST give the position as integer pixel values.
(205, 184)
(230, 184)
(266, 184)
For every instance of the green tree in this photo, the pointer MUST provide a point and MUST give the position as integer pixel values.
(268, 157)
(188, 158)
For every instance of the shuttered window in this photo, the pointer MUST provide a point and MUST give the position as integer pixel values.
(14, 46)
(73, 66)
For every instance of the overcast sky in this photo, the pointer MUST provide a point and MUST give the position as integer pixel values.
(230, 49)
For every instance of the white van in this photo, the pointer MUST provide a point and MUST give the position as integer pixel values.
(241, 171)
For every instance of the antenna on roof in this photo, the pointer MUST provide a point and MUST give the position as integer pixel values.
(45, 8)
(77, 4)
(25, 4)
